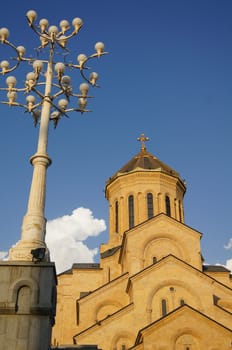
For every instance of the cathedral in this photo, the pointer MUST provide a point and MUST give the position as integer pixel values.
(151, 289)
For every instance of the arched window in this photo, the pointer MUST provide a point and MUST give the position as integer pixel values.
(164, 307)
(23, 300)
(116, 216)
(168, 208)
(150, 209)
(131, 210)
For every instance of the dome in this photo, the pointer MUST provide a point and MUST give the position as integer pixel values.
(145, 161)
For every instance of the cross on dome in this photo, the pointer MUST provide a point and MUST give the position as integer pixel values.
(143, 139)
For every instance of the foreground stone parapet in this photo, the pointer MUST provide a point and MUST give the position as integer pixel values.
(27, 304)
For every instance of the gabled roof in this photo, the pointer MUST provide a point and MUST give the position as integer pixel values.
(105, 319)
(110, 252)
(215, 268)
(182, 309)
(87, 266)
(160, 216)
(174, 258)
(77, 347)
(110, 283)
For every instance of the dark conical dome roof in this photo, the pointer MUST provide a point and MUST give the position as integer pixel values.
(146, 161)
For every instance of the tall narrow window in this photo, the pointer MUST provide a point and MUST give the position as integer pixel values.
(116, 216)
(131, 211)
(180, 214)
(168, 208)
(164, 307)
(77, 313)
(150, 209)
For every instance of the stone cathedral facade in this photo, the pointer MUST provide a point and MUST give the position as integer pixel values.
(151, 289)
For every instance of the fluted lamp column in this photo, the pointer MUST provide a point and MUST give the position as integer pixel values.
(55, 85)
(34, 222)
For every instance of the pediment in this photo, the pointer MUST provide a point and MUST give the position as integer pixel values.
(175, 270)
(159, 237)
(185, 324)
(163, 222)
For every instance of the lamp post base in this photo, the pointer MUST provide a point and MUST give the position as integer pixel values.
(32, 246)
(35, 251)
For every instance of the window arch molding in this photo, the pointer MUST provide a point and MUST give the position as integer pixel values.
(192, 335)
(150, 248)
(122, 335)
(107, 303)
(23, 300)
(177, 284)
(13, 291)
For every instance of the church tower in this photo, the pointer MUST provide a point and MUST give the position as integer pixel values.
(140, 190)
(151, 290)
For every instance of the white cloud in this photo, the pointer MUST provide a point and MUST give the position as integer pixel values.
(65, 236)
(3, 255)
(229, 264)
(229, 244)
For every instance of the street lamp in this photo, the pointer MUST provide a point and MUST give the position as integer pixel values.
(49, 94)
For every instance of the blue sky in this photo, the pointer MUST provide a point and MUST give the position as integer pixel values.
(168, 74)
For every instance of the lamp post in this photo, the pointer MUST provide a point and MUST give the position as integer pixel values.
(48, 95)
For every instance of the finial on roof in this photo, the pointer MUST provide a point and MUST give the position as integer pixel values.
(143, 139)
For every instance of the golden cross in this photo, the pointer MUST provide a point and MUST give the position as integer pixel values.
(143, 139)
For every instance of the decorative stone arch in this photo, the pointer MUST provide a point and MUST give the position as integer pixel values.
(160, 205)
(101, 308)
(139, 207)
(149, 190)
(166, 194)
(130, 193)
(120, 337)
(121, 202)
(172, 283)
(30, 283)
(149, 244)
(188, 336)
(176, 209)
